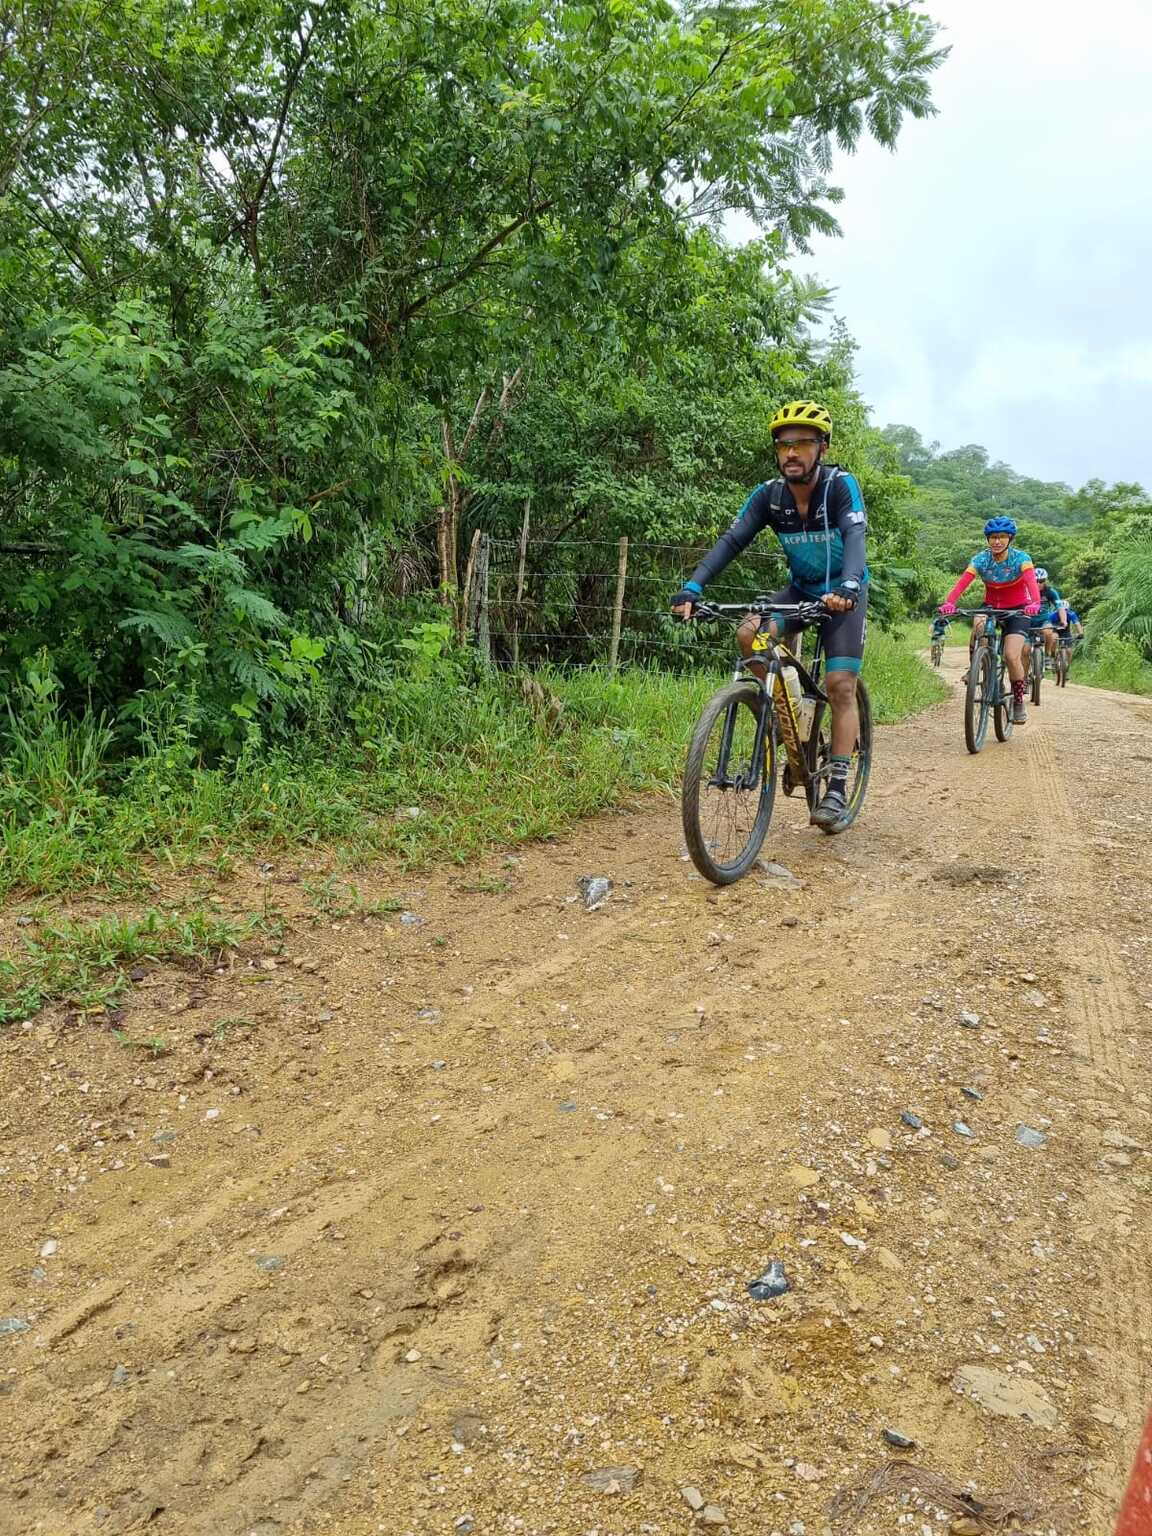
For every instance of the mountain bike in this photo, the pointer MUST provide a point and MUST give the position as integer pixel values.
(1063, 659)
(988, 695)
(1060, 665)
(745, 729)
(1036, 666)
(937, 650)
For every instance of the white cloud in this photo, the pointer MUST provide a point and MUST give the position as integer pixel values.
(1000, 257)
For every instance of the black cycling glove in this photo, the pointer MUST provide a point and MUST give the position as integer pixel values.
(684, 596)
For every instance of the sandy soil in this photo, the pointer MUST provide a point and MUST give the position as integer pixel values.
(445, 1226)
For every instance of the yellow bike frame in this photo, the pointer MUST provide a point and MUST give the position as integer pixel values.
(783, 703)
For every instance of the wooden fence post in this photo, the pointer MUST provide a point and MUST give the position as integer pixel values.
(520, 583)
(483, 629)
(465, 611)
(618, 607)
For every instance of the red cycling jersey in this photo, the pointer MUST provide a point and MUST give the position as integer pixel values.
(1008, 583)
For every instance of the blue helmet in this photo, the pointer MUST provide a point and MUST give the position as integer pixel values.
(1000, 525)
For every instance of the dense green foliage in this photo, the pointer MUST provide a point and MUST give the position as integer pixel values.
(287, 292)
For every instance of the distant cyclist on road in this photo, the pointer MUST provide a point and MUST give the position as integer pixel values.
(817, 513)
(1009, 579)
(1068, 634)
(938, 631)
(1053, 614)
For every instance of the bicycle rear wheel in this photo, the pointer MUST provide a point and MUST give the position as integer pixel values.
(1003, 712)
(818, 749)
(728, 797)
(978, 698)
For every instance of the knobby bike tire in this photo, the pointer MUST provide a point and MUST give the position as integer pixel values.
(977, 698)
(1062, 668)
(1037, 670)
(819, 744)
(937, 653)
(741, 696)
(1002, 717)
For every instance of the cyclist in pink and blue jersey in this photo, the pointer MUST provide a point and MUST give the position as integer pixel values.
(1009, 579)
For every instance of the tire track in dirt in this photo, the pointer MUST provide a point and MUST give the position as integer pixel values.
(1101, 1007)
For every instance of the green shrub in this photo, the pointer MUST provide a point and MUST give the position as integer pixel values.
(1116, 662)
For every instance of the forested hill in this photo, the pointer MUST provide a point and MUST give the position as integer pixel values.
(977, 486)
(1075, 534)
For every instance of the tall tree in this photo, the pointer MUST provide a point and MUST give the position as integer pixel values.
(259, 262)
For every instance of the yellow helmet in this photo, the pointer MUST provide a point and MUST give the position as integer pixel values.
(802, 413)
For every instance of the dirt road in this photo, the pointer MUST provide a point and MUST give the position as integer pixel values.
(439, 1226)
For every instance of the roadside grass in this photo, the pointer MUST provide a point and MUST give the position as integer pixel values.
(335, 899)
(901, 684)
(1114, 663)
(452, 771)
(86, 963)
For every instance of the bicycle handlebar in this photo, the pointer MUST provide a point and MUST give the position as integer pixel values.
(763, 607)
(997, 613)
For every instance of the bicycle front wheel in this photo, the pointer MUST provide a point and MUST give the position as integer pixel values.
(728, 795)
(1037, 671)
(978, 699)
(1061, 668)
(1004, 702)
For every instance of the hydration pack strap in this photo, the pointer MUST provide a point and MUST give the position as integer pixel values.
(776, 490)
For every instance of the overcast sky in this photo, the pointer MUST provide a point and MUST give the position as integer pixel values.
(996, 268)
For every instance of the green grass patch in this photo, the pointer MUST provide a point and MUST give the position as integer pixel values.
(447, 766)
(1115, 663)
(87, 963)
(335, 899)
(900, 682)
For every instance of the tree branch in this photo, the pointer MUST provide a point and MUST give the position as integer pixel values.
(477, 260)
(472, 425)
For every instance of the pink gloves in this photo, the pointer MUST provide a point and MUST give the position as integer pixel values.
(948, 608)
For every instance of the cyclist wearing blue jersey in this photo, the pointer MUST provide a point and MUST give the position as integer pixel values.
(817, 513)
(1053, 614)
(1068, 634)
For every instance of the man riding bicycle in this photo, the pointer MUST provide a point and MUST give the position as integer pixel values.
(1009, 579)
(1053, 614)
(817, 513)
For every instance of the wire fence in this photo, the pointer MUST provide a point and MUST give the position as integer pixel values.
(600, 602)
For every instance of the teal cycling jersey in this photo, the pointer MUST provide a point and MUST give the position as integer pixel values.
(1050, 603)
(822, 549)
